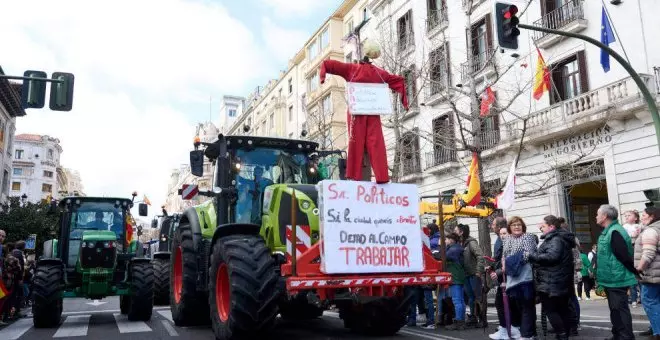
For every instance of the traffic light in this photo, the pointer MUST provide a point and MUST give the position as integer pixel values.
(506, 22)
(33, 92)
(61, 93)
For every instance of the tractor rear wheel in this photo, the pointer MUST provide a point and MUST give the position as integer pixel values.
(162, 281)
(47, 307)
(243, 291)
(142, 297)
(189, 307)
(382, 317)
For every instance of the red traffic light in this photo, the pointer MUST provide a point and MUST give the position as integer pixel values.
(507, 15)
(510, 11)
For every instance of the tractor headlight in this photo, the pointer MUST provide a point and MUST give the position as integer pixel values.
(90, 244)
(163, 239)
(305, 205)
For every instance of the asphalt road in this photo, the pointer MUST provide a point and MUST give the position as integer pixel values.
(85, 319)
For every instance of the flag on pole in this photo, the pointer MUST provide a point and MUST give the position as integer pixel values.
(606, 37)
(506, 198)
(541, 78)
(473, 195)
(146, 200)
(487, 101)
(129, 229)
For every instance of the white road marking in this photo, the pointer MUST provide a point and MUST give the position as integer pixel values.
(167, 314)
(16, 330)
(408, 331)
(169, 328)
(75, 325)
(126, 326)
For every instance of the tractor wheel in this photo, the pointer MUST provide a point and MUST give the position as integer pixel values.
(124, 303)
(142, 297)
(162, 281)
(47, 307)
(243, 291)
(381, 317)
(189, 307)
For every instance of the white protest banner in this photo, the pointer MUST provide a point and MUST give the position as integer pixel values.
(369, 228)
(369, 99)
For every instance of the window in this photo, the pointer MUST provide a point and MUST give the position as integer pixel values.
(249, 122)
(48, 174)
(440, 72)
(313, 81)
(446, 199)
(405, 30)
(327, 105)
(349, 27)
(491, 188)
(272, 120)
(490, 130)
(482, 43)
(443, 141)
(349, 57)
(411, 86)
(2, 135)
(436, 12)
(18, 171)
(16, 186)
(312, 51)
(291, 113)
(569, 78)
(231, 112)
(5, 182)
(19, 154)
(324, 39)
(410, 153)
(46, 188)
(263, 126)
(290, 85)
(50, 154)
(290, 135)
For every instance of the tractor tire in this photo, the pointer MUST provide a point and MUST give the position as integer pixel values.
(162, 281)
(382, 317)
(298, 309)
(142, 297)
(124, 303)
(188, 306)
(243, 294)
(48, 289)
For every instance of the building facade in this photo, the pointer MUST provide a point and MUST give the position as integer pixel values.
(69, 183)
(10, 108)
(589, 140)
(231, 108)
(35, 166)
(207, 132)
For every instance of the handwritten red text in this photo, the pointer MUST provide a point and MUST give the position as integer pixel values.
(377, 256)
(375, 196)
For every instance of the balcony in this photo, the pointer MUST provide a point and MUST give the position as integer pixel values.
(569, 17)
(612, 102)
(483, 65)
(474, 3)
(487, 139)
(411, 169)
(440, 160)
(437, 21)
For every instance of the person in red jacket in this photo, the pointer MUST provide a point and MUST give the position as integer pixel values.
(365, 131)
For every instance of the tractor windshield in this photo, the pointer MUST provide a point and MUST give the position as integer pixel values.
(97, 216)
(261, 167)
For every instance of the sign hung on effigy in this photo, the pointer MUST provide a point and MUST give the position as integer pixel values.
(369, 99)
(369, 228)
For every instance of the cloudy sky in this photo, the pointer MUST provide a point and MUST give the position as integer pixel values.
(145, 70)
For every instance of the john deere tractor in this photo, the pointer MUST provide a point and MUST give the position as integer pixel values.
(161, 258)
(96, 255)
(230, 262)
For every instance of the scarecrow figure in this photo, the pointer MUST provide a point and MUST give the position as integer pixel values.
(365, 131)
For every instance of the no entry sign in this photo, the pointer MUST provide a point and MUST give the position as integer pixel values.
(189, 191)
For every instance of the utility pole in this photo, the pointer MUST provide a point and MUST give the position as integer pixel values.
(650, 101)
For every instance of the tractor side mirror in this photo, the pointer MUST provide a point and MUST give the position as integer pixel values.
(143, 210)
(342, 168)
(197, 163)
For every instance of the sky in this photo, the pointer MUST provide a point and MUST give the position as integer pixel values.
(146, 72)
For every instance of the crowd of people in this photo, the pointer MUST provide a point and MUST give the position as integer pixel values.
(16, 273)
(623, 266)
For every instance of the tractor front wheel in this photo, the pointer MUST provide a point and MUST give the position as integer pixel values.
(382, 317)
(189, 307)
(47, 307)
(142, 297)
(243, 291)
(162, 282)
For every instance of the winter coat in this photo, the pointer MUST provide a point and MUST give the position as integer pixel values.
(473, 257)
(586, 266)
(553, 263)
(647, 246)
(455, 264)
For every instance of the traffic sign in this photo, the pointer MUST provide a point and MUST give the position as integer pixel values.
(189, 191)
(31, 241)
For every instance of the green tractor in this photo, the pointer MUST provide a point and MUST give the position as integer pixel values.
(230, 262)
(161, 257)
(96, 255)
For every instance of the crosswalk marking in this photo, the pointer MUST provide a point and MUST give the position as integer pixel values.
(74, 325)
(170, 329)
(167, 314)
(15, 330)
(126, 326)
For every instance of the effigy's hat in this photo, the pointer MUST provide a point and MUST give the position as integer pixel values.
(371, 49)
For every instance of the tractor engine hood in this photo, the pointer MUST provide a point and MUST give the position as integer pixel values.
(98, 249)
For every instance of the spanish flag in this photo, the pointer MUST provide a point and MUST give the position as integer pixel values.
(473, 195)
(3, 293)
(129, 229)
(541, 78)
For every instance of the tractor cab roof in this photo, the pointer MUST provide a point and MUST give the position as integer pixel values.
(235, 142)
(87, 199)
